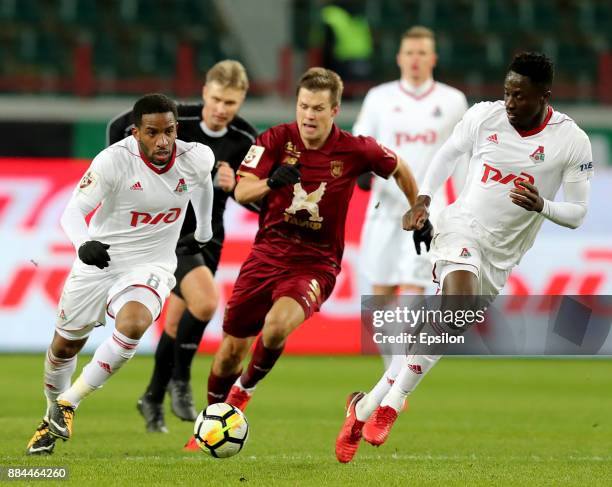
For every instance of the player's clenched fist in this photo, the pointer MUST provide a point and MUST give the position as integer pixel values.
(415, 217)
(283, 176)
(95, 253)
(226, 178)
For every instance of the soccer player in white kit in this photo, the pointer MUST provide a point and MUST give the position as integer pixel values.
(139, 188)
(413, 116)
(522, 152)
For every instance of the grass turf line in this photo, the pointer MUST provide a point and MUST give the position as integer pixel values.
(476, 421)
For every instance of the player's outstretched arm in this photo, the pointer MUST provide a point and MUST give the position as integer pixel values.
(569, 213)
(250, 188)
(406, 182)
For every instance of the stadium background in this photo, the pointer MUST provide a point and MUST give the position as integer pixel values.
(68, 66)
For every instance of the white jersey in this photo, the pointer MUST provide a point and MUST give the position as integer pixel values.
(142, 207)
(414, 126)
(557, 151)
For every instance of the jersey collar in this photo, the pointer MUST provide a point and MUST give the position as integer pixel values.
(539, 128)
(157, 169)
(417, 92)
(329, 144)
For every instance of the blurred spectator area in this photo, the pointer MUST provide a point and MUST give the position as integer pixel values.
(109, 46)
(477, 38)
(91, 47)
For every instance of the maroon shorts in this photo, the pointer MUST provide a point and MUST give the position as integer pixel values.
(260, 284)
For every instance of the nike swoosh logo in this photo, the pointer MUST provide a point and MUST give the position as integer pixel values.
(348, 409)
(58, 427)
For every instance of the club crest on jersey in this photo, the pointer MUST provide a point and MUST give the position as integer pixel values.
(303, 200)
(181, 186)
(292, 155)
(493, 138)
(538, 154)
(336, 168)
(88, 181)
(465, 253)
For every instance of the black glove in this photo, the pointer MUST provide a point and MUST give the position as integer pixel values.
(283, 176)
(364, 181)
(188, 245)
(93, 252)
(424, 235)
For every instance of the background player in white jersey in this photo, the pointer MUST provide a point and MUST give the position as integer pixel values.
(522, 152)
(139, 188)
(413, 116)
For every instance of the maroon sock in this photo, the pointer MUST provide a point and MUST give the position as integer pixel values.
(219, 387)
(261, 363)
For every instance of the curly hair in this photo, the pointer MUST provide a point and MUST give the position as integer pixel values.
(153, 103)
(535, 66)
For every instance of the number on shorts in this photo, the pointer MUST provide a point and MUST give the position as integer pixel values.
(153, 281)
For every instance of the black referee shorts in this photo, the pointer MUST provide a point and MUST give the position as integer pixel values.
(210, 257)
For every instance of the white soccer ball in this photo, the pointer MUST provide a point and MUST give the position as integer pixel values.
(221, 430)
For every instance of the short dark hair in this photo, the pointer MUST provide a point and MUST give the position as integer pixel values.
(320, 79)
(153, 103)
(535, 66)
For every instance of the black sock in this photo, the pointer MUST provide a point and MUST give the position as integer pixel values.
(162, 371)
(188, 337)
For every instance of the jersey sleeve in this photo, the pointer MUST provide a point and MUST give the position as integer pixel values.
(366, 122)
(206, 162)
(263, 155)
(380, 160)
(465, 132)
(580, 162)
(97, 182)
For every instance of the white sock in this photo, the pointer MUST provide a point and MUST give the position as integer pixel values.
(58, 372)
(238, 383)
(414, 369)
(110, 356)
(367, 404)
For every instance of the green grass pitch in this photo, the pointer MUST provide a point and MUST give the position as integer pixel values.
(471, 422)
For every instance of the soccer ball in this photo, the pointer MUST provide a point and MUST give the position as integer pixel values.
(221, 430)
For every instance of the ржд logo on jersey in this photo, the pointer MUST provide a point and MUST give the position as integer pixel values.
(493, 174)
(428, 137)
(165, 216)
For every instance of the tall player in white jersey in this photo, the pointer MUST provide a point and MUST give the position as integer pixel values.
(413, 116)
(522, 152)
(139, 189)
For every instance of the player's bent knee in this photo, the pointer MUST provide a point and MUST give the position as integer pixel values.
(133, 320)
(275, 331)
(203, 309)
(230, 355)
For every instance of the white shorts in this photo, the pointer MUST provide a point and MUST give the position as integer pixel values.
(90, 293)
(388, 256)
(457, 245)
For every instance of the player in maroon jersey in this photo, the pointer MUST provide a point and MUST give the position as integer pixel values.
(304, 173)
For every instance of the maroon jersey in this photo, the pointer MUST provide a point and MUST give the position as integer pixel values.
(305, 222)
